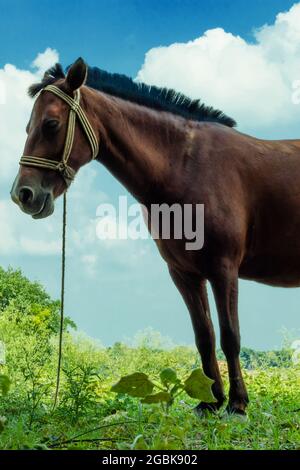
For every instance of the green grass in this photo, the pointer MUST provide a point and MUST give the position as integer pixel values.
(90, 416)
(273, 420)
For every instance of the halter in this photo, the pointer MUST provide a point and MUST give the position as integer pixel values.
(67, 173)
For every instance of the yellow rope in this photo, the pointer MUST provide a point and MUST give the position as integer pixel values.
(62, 300)
(62, 166)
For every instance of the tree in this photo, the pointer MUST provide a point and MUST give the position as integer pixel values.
(21, 298)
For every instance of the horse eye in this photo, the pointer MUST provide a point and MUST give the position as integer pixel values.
(50, 125)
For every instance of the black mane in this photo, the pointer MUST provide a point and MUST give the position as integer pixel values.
(163, 99)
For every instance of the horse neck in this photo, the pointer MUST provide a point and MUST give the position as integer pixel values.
(137, 144)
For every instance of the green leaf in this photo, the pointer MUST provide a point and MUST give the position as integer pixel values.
(135, 385)
(168, 376)
(139, 443)
(198, 385)
(158, 398)
(176, 387)
(4, 384)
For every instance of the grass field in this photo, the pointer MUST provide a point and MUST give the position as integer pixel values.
(121, 422)
(90, 416)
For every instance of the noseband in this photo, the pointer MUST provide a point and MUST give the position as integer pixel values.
(67, 173)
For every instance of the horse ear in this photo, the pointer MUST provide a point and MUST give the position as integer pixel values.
(76, 75)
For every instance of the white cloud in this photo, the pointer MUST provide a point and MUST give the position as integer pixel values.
(20, 234)
(14, 113)
(251, 82)
(40, 247)
(7, 233)
(90, 263)
(45, 60)
(15, 108)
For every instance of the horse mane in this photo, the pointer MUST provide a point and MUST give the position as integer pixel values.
(163, 99)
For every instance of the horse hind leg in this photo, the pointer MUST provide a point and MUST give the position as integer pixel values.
(193, 291)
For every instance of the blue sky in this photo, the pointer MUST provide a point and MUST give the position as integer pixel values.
(126, 288)
(116, 34)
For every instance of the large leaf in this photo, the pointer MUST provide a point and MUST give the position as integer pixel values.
(135, 385)
(158, 398)
(168, 376)
(4, 384)
(198, 385)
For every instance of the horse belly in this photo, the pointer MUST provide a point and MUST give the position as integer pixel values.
(272, 254)
(276, 268)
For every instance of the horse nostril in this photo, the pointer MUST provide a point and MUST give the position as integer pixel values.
(25, 195)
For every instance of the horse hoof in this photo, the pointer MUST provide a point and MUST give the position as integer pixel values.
(235, 414)
(203, 409)
(199, 413)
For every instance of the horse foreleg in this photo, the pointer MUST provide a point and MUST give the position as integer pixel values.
(225, 287)
(193, 291)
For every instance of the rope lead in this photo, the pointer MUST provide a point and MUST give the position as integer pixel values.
(62, 298)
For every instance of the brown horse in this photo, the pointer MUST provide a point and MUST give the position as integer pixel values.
(166, 148)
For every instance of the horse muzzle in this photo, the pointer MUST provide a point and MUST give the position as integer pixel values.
(36, 202)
